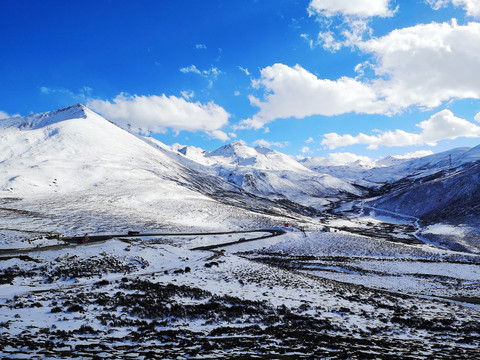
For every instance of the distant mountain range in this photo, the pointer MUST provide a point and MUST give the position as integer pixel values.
(76, 150)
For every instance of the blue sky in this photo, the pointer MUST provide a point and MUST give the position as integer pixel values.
(303, 77)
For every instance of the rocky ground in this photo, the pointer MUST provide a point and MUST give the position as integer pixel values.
(140, 299)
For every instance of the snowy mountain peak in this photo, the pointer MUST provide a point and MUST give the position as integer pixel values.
(390, 160)
(236, 149)
(261, 158)
(36, 121)
(77, 150)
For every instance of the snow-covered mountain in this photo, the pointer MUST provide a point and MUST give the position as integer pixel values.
(85, 162)
(75, 149)
(75, 159)
(443, 196)
(424, 166)
(261, 158)
(192, 152)
(266, 172)
(393, 168)
(367, 288)
(438, 184)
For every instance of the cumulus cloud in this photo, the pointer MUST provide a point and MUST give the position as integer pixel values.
(305, 150)
(4, 115)
(472, 7)
(268, 144)
(440, 126)
(157, 113)
(344, 158)
(295, 92)
(218, 134)
(333, 37)
(425, 65)
(345, 22)
(421, 66)
(477, 117)
(309, 140)
(360, 8)
(188, 95)
(415, 154)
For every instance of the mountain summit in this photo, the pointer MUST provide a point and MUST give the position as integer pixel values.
(36, 121)
(260, 158)
(74, 149)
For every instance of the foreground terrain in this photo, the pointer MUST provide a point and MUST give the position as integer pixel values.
(310, 294)
(249, 254)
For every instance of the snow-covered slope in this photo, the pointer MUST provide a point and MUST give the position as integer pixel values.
(74, 149)
(393, 168)
(424, 166)
(261, 158)
(75, 159)
(445, 196)
(192, 152)
(352, 172)
(269, 173)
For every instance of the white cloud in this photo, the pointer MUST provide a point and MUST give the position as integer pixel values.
(157, 113)
(345, 22)
(425, 65)
(295, 92)
(359, 8)
(472, 7)
(244, 70)
(200, 46)
(422, 66)
(343, 158)
(4, 115)
(188, 95)
(477, 117)
(309, 140)
(211, 74)
(218, 134)
(190, 69)
(441, 126)
(307, 38)
(305, 150)
(415, 154)
(205, 73)
(350, 34)
(268, 144)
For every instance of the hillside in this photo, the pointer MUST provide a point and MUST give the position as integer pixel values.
(227, 258)
(94, 168)
(448, 196)
(268, 173)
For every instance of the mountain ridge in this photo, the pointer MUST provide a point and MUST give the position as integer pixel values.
(36, 121)
(75, 149)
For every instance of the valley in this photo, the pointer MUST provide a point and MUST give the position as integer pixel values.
(242, 253)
